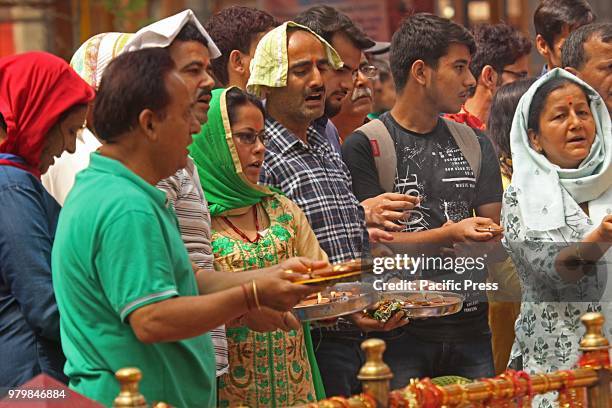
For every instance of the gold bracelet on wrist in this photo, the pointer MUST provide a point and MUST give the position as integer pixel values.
(579, 253)
(255, 295)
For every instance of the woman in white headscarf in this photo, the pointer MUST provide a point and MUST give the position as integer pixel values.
(560, 199)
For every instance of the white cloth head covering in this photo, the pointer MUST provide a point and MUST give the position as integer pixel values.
(90, 61)
(94, 55)
(539, 183)
(162, 33)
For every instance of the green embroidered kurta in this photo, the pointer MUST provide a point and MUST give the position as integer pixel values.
(267, 369)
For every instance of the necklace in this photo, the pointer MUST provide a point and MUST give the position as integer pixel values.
(242, 234)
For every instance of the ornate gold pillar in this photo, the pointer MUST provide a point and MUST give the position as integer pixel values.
(375, 375)
(596, 354)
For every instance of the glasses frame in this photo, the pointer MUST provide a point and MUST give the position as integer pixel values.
(252, 137)
(364, 70)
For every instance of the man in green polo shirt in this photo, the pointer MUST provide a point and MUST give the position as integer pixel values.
(125, 287)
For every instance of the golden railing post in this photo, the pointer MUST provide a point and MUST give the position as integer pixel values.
(595, 354)
(129, 395)
(375, 375)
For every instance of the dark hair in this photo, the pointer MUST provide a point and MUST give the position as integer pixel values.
(541, 95)
(70, 110)
(190, 32)
(497, 45)
(572, 50)
(234, 28)
(3, 125)
(551, 15)
(131, 83)
(327, 21)
(503, 106)
(235, 98)
(426, 37)
(384, 71)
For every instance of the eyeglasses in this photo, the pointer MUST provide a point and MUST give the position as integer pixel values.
(369, 71)
(249, 138)
(519, 75)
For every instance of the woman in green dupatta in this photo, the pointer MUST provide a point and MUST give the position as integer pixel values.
(254, 227)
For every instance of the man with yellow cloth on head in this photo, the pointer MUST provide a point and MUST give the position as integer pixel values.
(191, 49)
(289, 69)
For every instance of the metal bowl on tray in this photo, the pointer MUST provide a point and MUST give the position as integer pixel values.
(338, 300)
(422, 304)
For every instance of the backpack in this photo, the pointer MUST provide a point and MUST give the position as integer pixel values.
(385, 157)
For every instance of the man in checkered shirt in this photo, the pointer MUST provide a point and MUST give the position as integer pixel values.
(301, 162)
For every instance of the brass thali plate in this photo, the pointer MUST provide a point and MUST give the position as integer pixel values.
(424, 304)
(362, 296)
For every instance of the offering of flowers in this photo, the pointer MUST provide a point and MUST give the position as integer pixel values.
(416, 305)
(385, 310)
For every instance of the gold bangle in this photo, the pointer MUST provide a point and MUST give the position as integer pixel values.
(579, 253)
(255, 295)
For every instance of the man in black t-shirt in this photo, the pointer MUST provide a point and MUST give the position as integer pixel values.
(430, 56)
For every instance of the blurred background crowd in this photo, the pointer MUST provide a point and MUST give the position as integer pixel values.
(60, 26)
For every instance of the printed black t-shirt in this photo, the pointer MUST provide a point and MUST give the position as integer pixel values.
(432, 167)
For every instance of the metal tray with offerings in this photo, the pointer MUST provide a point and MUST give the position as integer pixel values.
(338, 300)
(417, 304)
(340, 272)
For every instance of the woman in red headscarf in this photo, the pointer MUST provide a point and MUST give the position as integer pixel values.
(43, 103)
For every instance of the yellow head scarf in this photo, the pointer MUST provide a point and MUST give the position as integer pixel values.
(270, 64)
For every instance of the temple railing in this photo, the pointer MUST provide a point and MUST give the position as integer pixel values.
(588, 385)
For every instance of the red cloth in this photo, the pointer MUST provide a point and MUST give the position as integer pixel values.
(467, 118)
(35, 89)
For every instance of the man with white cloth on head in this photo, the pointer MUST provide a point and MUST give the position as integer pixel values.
(94, 55)
(180, 33)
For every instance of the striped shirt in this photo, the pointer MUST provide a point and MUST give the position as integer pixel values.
(314, 176)
(186, 196)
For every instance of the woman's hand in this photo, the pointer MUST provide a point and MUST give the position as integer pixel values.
(280, 294)
(573, 262)
(301, 265)
(603, 233)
